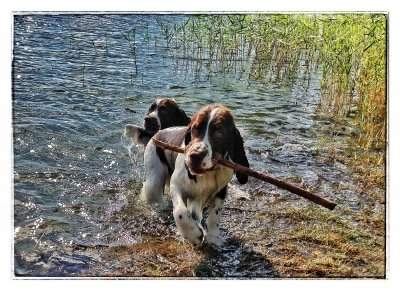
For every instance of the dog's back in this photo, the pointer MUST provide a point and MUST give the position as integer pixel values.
(174, 136)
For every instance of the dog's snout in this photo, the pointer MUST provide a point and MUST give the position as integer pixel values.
(197, 157)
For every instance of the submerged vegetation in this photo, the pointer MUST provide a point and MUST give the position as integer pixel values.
(348, 50)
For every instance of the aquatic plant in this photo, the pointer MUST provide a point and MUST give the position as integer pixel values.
(130, 37)
(349, 50)
(353, 56)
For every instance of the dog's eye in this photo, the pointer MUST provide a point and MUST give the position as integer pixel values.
(218, 129)
(218, 132)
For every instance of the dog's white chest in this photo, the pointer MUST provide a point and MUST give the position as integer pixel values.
(204, 187)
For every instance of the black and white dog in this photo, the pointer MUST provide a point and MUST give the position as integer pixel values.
(195, 178)
(163, 113)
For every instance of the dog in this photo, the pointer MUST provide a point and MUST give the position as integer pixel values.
(194, 178)
(163, 113)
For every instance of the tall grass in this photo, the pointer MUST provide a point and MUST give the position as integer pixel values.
(348, 49)
(353, 55)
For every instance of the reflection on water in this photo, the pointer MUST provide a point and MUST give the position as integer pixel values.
(76, 179)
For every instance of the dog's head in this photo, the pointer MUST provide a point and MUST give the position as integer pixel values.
(212, 134)
(164, 113)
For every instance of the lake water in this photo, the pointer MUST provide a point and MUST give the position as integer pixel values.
(77, 179)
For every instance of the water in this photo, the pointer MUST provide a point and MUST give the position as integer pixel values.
(76, 179)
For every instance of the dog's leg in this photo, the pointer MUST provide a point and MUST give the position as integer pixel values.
(214, 217)
(153, 187)
(167, 184)
(156, 176)
(196, 210)
(187, 226)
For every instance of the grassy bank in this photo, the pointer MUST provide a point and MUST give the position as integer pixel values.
(317, 243)
(286, 235)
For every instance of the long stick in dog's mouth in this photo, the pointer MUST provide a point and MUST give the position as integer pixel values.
(261, 176)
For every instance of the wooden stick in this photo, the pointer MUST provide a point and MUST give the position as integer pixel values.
(249, 172)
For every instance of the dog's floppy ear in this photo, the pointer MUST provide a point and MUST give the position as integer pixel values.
(238, 154)
(188, 136)
(183, 117)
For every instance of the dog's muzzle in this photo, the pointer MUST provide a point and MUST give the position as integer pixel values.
(151, 124)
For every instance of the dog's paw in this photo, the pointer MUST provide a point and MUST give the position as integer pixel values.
(197, 237)
(194, 235)
(215, 238)
(189, 228)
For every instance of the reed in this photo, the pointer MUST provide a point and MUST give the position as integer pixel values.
(130, 37)
(353, 55)
(348, 50)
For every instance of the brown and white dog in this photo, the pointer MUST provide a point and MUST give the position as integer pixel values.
(163, 113)
(195, 178)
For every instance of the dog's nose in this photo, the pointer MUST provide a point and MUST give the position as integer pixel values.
(197, 157)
